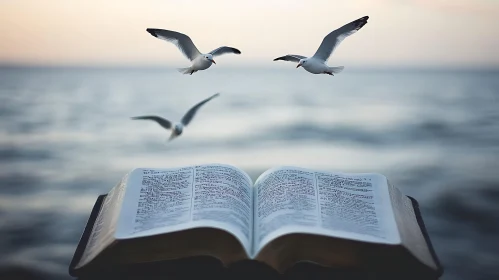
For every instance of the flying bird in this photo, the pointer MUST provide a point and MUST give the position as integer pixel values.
(317, 63)
(200, 61)
(178, 128)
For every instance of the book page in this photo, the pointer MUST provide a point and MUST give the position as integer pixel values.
(410, 232)
(297, 200)
(158, 201)
(105, 224)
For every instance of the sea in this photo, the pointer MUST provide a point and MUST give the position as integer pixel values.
(66, 137)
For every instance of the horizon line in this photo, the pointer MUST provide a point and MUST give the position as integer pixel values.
(247, 66)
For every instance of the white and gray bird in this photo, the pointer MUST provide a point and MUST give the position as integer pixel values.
(317, 63)
(200, 61)
(177, 128)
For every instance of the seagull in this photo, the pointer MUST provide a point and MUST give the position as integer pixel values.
(179, 127)
(200, 61)
(317, 63)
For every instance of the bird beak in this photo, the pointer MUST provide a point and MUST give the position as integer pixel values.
(213, 61)
(298, 65)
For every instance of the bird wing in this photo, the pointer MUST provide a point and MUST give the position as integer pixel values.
(187, 118)
(224, 50)
(164, 123)
(291, 57)
(333, 39)
(182, 41)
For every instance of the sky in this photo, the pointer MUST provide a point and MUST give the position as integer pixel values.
(462, 33)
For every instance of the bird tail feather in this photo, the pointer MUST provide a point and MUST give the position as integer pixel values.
(184, 70)
(336, 70)
(172, 136)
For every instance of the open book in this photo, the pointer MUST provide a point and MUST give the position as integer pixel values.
(288, 215)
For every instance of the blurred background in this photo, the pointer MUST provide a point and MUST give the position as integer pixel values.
(417, 101)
